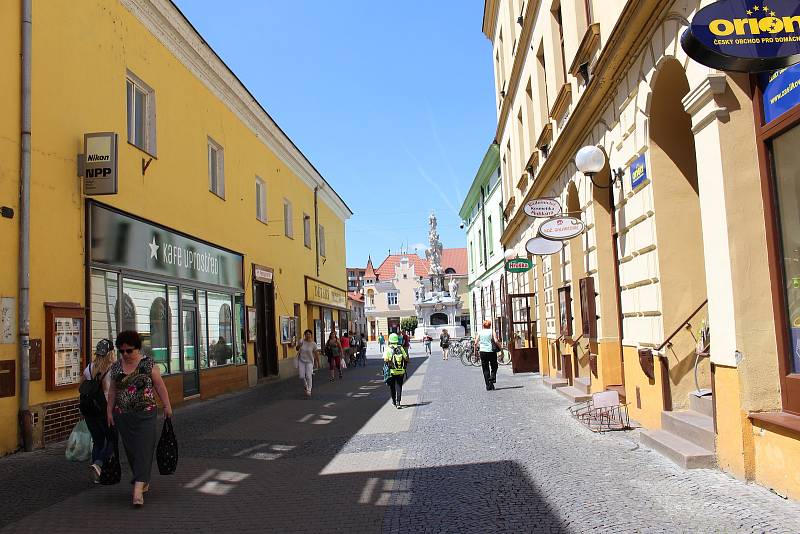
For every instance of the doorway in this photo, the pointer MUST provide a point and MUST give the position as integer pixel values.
(266, 343)
(191, 352)
(523, 343)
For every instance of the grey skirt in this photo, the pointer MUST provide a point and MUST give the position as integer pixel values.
(138, 430)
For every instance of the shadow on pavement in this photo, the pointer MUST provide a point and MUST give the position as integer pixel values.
(264, 460)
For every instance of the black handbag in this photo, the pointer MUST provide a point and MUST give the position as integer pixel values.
(111, 471)
(495, 346)
(167, 449)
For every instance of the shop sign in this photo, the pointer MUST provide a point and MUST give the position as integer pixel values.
(318, 292)
(99, 163)
(519, 265)
(561, 228)
(638, 171)
(542, 208)
(263, 274)
(119, 240)
(539, 246)
(745, 36)
(781, 92)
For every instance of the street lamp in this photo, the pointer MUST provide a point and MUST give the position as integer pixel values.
(590, 160)
(510, 254)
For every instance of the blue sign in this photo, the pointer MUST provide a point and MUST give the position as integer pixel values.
(745, 35)
(638, 170)
(781, 91)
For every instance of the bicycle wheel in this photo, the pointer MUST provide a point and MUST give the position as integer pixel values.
(466, 358)
(476, 359)
(504, 358)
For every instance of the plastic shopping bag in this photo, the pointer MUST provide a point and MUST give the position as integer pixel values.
(79, 445)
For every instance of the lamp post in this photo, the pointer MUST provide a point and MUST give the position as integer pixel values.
(591, 160)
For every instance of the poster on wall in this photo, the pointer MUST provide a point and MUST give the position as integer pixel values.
(288, 332)
(252, 331)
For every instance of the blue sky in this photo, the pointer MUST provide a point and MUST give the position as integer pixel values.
(393, 102)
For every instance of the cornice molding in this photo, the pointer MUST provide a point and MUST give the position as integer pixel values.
(166, 22)
(701, 105)
(634, 27)
(490, 8)
(589, 43)
(561, 102)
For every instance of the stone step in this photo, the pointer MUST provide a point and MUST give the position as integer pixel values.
(684, 453)
(703, 405)
(554, 382)
(574, 394)
(583, 384)
(691, 426)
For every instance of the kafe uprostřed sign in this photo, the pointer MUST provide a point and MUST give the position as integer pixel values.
(745, 35)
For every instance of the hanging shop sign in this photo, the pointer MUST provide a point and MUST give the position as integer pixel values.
(542, 208)
(638, 171)
(745, 35)
(99, 169)
(561, 228)
(540, 246)
(781, 91)
(263, 274)
(119, 240)
(519, 265)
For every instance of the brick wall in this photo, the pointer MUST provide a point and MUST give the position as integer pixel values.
(59, 420)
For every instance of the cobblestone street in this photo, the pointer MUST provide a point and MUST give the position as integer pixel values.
(457, 459)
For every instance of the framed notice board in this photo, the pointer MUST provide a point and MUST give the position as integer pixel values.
(64, 346)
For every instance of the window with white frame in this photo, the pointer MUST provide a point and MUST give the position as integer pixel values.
(288, 228)
(307, 230)
(261, 200)
(216, 167)
(141, 107)
(321, 238)
(392, 298)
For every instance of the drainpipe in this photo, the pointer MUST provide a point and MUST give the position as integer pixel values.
(483, 223)
(316, 226)
(25, 416)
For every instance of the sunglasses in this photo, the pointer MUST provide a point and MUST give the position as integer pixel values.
(127, 351)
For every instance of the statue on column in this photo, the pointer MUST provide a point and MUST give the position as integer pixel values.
(453, 287)
(434, 256)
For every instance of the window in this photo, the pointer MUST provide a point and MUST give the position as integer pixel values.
(587, 4)
(523, 156)
(490, 234)
(220, 329)
(392, 298)
(471, 257)
(557, 19)
(261, 200)
(288, 229)
(480, 242)
(103, 287)
(141, 108)
(321, 239)
(307, 230)
(216, 174)
(541, 83)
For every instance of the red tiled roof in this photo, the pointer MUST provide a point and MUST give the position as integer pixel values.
(386, 270)
(455, 258)
(370, 272)
(354, 295)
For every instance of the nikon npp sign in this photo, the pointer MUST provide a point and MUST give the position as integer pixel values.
(98, 163)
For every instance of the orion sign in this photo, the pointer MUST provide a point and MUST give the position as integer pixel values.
(745, 35)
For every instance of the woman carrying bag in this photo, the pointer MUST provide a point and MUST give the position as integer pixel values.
(132, 409)
(95, 385)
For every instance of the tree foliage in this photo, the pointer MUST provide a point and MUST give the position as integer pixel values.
(409, 324)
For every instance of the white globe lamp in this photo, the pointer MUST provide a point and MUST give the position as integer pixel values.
(590, 160)
(510, 254)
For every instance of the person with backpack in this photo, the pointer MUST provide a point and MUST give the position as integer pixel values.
(395, 364)
(444, 342)
(93, 391)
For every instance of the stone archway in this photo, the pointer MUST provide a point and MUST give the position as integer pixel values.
(577, 263)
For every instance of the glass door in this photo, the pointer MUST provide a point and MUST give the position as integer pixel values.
(190, 355)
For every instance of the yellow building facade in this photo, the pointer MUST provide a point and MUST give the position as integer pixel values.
(219, 228)
(682, 240)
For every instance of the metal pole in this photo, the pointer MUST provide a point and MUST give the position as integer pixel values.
(25, 417)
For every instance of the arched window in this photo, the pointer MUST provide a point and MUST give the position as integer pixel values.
(159, 332)
(449, 270)
(127, 321)
(438, 319)
(226, 323)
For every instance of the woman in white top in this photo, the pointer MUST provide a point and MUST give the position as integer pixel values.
(306, 353)
(104, 356)
(485, 343)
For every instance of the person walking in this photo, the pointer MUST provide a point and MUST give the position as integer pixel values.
(132, 409)
(406, 342)
(333, 350)
(94, 406)
(363, 349)
(444, 343)
(346, 352)
(426, 341)
(486, 342)
(381, 342)
(396, 358)
(306, 352)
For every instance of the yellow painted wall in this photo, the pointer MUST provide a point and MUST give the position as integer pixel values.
(81, 88)
(777, 459)
(734, 434)
(609, 366)
(649, 414)
(9, 187)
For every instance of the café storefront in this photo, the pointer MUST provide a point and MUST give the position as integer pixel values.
(326, 308)
(184, 296)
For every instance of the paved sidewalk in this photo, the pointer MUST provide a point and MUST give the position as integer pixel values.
(459, 460)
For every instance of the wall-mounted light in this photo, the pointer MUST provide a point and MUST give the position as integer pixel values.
(6, 212)
(510, 254)
(590, 160)
(520, 20)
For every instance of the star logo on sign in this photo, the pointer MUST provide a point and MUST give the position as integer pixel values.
(755, 8)
(749, 12)
(153, 248)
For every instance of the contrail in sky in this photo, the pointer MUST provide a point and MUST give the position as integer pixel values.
(431, 182)
(442, 151)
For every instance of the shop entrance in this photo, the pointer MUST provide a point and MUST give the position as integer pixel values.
(266, 345)
(522, 345)
(191, 350)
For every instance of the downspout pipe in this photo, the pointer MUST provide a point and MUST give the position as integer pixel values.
(25, 417)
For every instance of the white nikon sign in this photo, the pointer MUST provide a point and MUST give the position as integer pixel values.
(100, 163)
